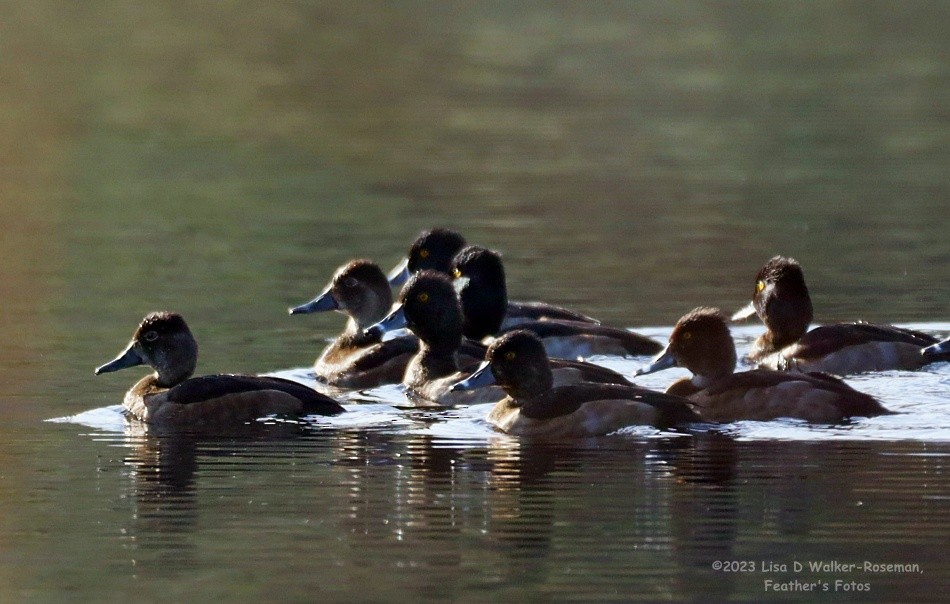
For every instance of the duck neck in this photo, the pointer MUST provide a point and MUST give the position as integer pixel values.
(528, 382)
(176, 366)
(484, 306)
(787, 321)
(431, 363)
(354, 336)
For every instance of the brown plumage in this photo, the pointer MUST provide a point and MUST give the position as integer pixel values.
(170, 396)
(701, 342)
(781, 300)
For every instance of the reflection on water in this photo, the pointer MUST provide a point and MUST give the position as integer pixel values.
(631, 160)
(624, 516)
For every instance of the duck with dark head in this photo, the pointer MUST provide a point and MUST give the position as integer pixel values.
(429, 306)
(781, 300)
(170, 396)
(480, 279)
(435, 249)
(535, 405)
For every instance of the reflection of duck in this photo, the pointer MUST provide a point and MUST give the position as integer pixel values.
(436, 248)
(536, 407)
(357, 359)
(170, 396)
(701, 342)
(782, 302)
(480, 279)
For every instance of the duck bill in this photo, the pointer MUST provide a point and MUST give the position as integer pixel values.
(662, 361)
(482, 377)
(322, 303)
(128, 358)
(460, 283)
(744, 313)
(400, 273)
(396, 319)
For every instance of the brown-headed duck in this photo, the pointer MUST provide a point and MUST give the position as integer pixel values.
(357, 359)
(701, 343)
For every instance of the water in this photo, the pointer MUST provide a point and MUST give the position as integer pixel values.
(631, 161)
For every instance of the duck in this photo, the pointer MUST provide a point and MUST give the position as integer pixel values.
(430, 308)
(535, 406)
(171, 397)
(782, 302)
(937, 352)
(701, 342)
(435, 249)
(479, 276)
(356, 359)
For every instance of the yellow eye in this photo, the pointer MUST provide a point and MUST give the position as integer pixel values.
(686, 335)
(759, 286)
(510, 355)
(423, 253)
(456, 273)
(423, 297)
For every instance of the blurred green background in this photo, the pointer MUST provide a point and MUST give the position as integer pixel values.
(632, 160)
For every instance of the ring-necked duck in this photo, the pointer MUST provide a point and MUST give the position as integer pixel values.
(701, 343)
(480, 279)
(435, 249)
(171, 396)
(782, 302)
(535, 406)
(356, 359)
(430, 308)
(937, 352)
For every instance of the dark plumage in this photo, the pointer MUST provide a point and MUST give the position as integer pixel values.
(536, 406)
(430, 308)
(171, 397)
(436, 249)
(701, 343)
(937, 352)
(480, 275)
(781, 300)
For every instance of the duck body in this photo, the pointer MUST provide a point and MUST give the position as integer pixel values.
(350, 363)
(587, 409)
(172, 397)
(847, 348)
(765, 394)
(701, 342)
(223, 399)
(571, 339)
(429, 307)
(535, 405)
(782, 301)
(937, 352)
(356, 359)
(480, 278)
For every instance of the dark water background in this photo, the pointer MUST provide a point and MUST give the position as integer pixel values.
(631, 160)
